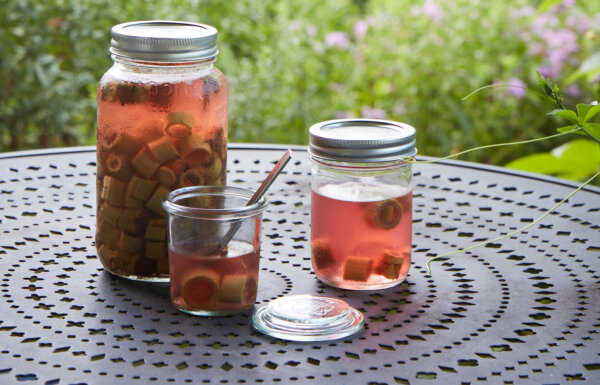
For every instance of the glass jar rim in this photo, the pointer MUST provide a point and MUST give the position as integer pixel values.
(173, 208)
(360, 165)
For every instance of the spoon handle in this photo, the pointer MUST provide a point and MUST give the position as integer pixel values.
(256, 197)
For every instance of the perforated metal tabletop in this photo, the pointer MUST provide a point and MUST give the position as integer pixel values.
(522, 311)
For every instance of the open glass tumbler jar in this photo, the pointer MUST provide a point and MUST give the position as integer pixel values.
(214, 248)
(361, 208)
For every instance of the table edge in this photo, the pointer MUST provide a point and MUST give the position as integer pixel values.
(280, 147)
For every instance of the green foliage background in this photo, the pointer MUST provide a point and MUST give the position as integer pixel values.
(284, 76)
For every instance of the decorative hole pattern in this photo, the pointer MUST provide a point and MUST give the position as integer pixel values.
(524, 310)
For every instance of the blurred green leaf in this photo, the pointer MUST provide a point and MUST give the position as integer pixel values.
(588, 69)
(543, 163)
(587, 111)
(545, 5)
(567, 114)
(575, 160)
(593, 129)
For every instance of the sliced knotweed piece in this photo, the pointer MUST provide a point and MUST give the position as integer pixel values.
(133, 203)
(179, 124)
(130, 244)
(155, 201)
(113, 191)
(392, 271)
(140, 188)
(118, 166)
(392, 257)
(156, 232)
(105, 254)
(134, 221)
(163, 150)
(195, 151)
(166, 176)
(156, 250)
(108, 234)
(385, 215)
(233, 287)
(110, 213)
(200, 287)
(357, 268)
(193, 177)
(145, 163)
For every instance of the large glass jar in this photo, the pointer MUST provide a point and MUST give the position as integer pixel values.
(361, 202)
(162, 124)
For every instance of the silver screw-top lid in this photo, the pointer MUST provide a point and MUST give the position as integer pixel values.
(362, 140)
(164, 41)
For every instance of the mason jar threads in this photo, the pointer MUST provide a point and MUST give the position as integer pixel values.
(162, 125)
(361, 202)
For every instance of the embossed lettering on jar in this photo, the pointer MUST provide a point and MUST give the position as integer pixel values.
(162, 124)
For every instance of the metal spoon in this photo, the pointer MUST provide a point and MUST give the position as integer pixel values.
(256, 197)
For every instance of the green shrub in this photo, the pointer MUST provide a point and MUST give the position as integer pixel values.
(293, 63)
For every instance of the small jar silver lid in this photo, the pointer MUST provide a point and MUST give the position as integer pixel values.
(362, 140)
(164, 41)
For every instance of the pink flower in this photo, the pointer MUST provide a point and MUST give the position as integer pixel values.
(360, 28)
(344, 115)
(337, 39)
(516, 88)
(574, 91)
(373, 113)
(433, 10)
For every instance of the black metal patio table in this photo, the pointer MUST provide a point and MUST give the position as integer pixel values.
(523, 310)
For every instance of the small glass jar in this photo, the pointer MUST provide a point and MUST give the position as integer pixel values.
(214, 249)
(361, 206)
(162, 125)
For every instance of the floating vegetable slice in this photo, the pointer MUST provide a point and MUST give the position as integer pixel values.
(392, 257)
(156, 232)
(140, 188)
(108, 234)
(120, 143)
(200, 288)
(163, 150)
(133, 203)
(179, 124)
(105, 254)
(134, 221)
(195, 150)
(145, 163)
(156, 250)
(389, 265)
(192, 177)
(155, 201)
(214, 171)
(130, 243)
(130, 93)
(110, 213)
(357, 268)
(118, 166)
(109, 92)
(392, 271)
(233, 288)
(322, 255)
(385, 215)
(166, 176)
(113, 191)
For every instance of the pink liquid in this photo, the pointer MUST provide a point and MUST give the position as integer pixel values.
(353, 249)
(214, 284)
(132, 115)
